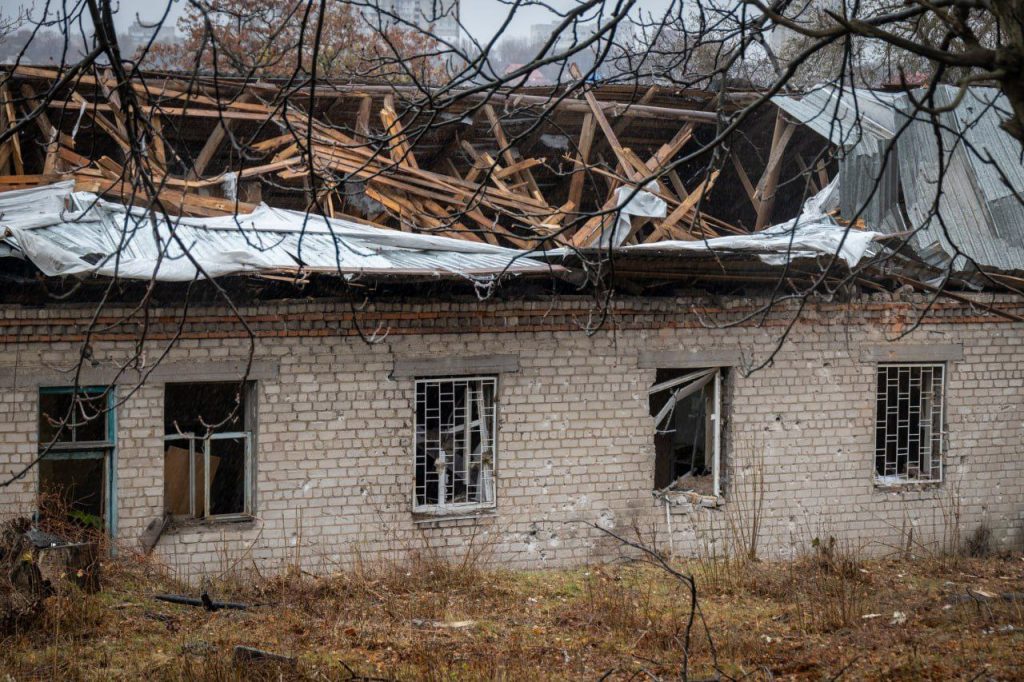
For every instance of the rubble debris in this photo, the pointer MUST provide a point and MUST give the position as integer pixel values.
(475, 180)
(204, 601)
(247, 654)
(32, 561)
(151, 536)
(443, 625)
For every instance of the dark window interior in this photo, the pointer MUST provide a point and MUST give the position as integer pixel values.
(452, 417)
(78, 483)
(82, 416)
(683, 446)
(74, 434)
(908, 422)
(204, 408)
(227, 482)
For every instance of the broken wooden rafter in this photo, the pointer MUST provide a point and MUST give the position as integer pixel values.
(518, 167)
(688, 206)
(748, 186)
(669, 150)
(602, 122)
(767, 185)
(172, 201)
(149, 93)
(212, 144)
(11, 149)
(486, 165)
(585, 143)
(615, 109)
(524, 175)
(197, 112)
(362, 127)
(9, 182)
(401, 150)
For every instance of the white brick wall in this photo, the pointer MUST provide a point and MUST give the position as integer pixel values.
(334, 462)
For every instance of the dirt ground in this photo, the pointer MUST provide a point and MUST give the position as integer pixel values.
(826, 616)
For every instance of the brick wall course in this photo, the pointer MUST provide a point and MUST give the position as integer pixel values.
(334, 460)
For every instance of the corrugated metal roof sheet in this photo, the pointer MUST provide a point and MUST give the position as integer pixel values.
(980, 212)
(846, 117)
(93, 236)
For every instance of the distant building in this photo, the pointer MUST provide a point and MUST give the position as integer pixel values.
(139, 35)
(440, 17)
(566, 38)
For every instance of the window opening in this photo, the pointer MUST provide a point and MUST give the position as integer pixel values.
(686, 406)
(76, 437)
(909, 423)
(208, 446)
(455, 445)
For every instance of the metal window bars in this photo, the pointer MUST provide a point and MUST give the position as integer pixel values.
(455, 444)
(909, 423)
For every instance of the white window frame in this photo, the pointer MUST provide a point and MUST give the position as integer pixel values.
(197, 443)
(684, 386)
(204, 443)
(934, 438)
(443, 508)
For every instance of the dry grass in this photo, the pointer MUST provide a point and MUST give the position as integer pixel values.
(804, 619)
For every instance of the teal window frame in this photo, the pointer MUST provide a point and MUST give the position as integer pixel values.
(105, 450)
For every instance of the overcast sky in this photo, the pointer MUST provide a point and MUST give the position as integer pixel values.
(480, 17)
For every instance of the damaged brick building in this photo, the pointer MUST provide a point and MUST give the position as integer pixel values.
(416, 369)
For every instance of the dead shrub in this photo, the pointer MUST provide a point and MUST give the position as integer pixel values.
(836, 557)
(72, 613)
(623, 602)
(830, 586)
(979, 543)
(58, 518)
(727, 551)
(744, 510)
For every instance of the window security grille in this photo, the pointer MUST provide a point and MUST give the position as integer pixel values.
(455, 444)
(909, 424)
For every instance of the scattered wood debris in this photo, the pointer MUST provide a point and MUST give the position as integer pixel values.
(204, 601)
(373, 171)
(443, 625)
(248, 655)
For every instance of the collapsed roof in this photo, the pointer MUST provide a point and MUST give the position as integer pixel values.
(64, 232)
(516, 168)
(378, 182)
(890, 167)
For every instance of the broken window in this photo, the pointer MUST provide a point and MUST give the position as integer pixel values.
(909, 423)
(76, 439)
(455, 444)
(686, 406)
(208, 449)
